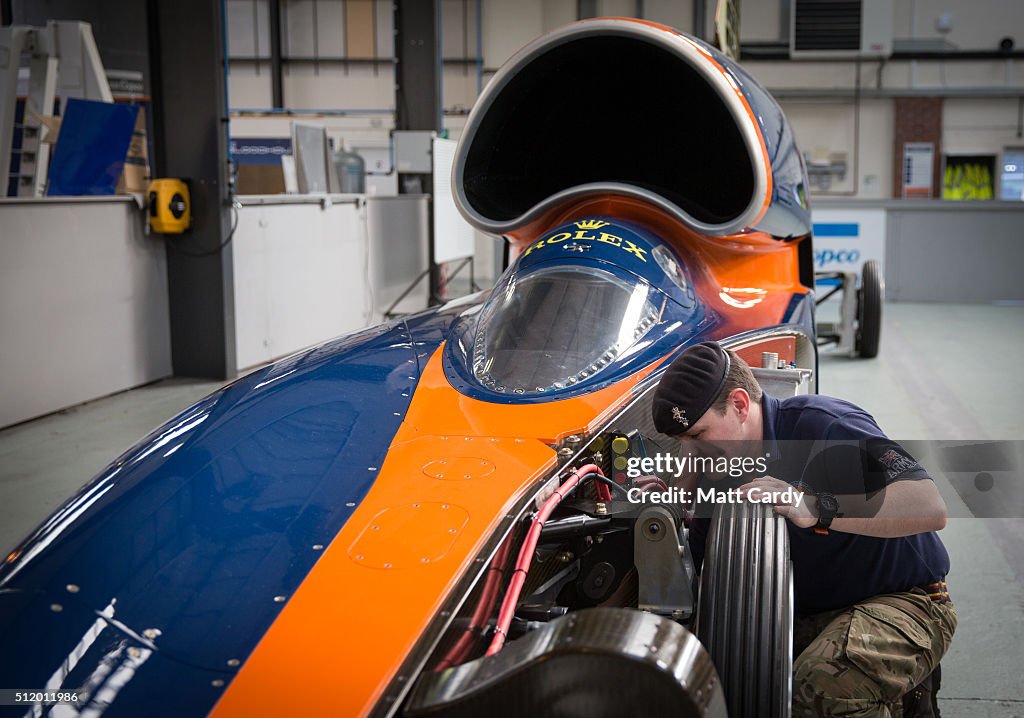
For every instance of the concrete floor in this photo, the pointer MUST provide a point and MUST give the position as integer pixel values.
(944, 372)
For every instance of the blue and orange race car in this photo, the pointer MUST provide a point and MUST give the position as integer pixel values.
(429, 517)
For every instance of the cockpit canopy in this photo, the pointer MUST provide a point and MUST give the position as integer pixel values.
(585, 304)
(559, 326)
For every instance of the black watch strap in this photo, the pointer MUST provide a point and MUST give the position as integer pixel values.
(828, 509)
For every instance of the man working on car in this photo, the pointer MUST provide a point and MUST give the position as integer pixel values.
(873, 614)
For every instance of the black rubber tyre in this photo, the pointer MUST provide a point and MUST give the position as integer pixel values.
(745, 609)
(869, 310)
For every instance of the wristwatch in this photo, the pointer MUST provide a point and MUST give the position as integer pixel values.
(828, 509)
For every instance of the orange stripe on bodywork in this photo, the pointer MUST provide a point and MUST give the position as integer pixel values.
(344, 634)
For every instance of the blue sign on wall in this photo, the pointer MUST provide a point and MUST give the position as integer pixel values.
(259, 150)
(846, 238)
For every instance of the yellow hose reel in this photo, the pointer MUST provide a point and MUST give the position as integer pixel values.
(170, 207)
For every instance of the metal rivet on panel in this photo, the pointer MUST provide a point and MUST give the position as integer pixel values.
(56, 607)
(217, 683)
(72, 588)
(234, 662)
(318, 547)
(279, 599)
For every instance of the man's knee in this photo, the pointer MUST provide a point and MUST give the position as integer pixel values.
(827, 686)
(864, 662)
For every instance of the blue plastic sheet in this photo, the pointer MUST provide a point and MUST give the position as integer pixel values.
(90, 152)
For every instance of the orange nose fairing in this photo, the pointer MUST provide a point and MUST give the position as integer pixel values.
(455, 468)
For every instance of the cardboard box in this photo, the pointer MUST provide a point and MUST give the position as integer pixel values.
(135, 176)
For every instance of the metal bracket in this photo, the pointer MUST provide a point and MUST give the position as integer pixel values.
(665, 584)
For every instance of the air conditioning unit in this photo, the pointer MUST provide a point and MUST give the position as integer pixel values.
(840, 28)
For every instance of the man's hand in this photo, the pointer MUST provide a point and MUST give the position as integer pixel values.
(801, 509)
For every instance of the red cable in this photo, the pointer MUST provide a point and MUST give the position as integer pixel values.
(515, 586)
(645, 483)
(488, 595)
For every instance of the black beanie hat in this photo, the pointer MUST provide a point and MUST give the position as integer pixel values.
(689, 387)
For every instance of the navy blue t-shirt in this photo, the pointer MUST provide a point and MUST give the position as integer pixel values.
(833, 445)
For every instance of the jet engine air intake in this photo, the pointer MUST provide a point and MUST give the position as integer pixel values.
(619, 106)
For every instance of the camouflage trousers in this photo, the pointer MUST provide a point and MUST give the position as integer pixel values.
(859, 661)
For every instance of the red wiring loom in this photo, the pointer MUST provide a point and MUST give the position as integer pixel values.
(515, 587)
(488, 597)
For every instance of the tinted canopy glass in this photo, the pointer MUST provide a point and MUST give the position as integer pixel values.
(556, 327)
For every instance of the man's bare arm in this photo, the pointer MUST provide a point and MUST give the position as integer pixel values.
(903, 508)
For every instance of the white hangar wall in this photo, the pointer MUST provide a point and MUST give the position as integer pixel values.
(818, 97)
(355, 101)
(981, 106)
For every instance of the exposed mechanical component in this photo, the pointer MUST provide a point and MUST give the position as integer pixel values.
(599, 581)
(665, 584)
(590, 552)
(599, 662)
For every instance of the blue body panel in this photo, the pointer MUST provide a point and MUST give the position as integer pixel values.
(193, 532)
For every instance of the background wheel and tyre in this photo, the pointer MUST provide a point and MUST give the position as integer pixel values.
(869, 310)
